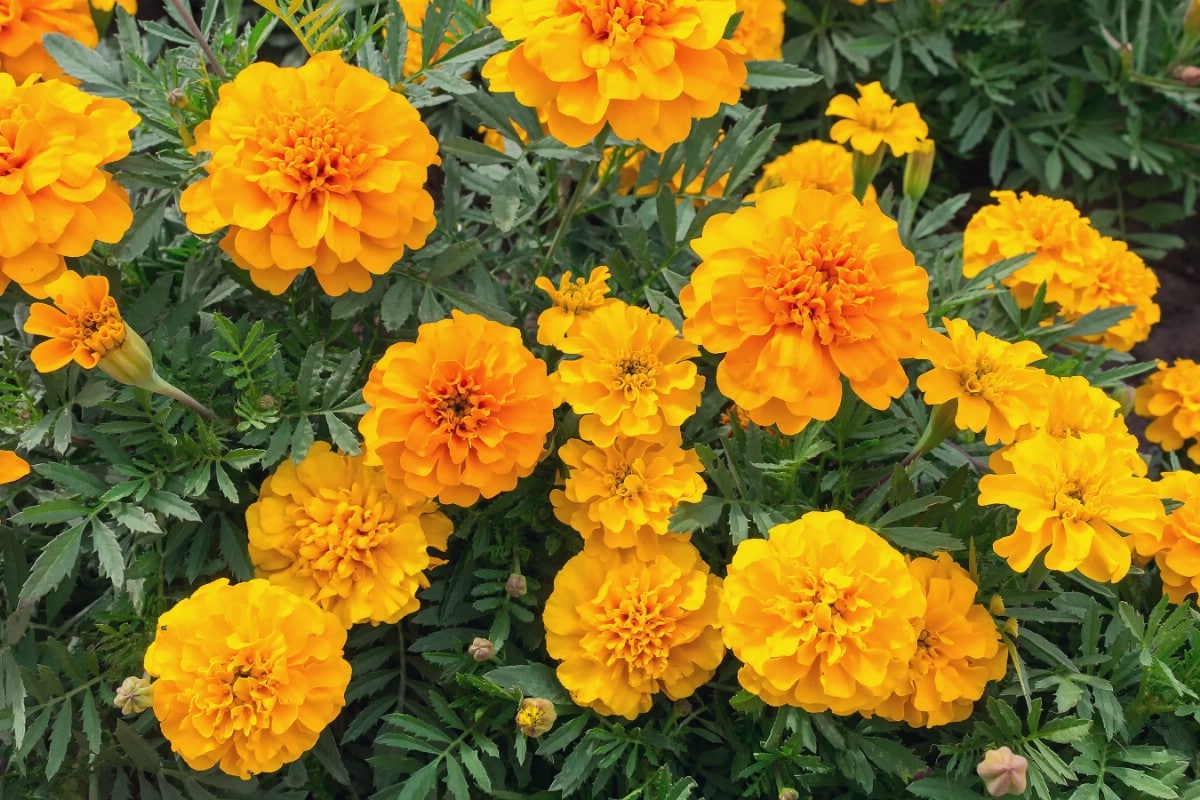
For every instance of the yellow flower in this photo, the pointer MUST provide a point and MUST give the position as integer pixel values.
(633, 377)
(460, 413)
(573, 301)
(535, 716)
(990, 380)
(85, 327)
(874, 120)
(23, 23)
(824, 614)
(1178, 554)
(1079, 498)
(760, 30)
(810, 165)
(108, 5)
(798, 290)
(328, 529)
(55, 198)
(321, 166)
(627, 628)
(624, 494)
(1171, 398)
(12, 467)
(248, 676)
(414, 16)
(958, 650)
(647, 67)
(627, 163)
(1117, 277)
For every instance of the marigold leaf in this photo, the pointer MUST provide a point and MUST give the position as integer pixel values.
(55, 563)
(108, 551)
(778, 75)
(60, 737)
(534, 680)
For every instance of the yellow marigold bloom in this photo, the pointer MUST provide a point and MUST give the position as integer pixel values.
(633, 377)
(958, 650)
(874, 120)
(1079, 498)
(414, 16)
(1178, 554)
(627, 628)
(823, 613)
(248, 676)
(573, 301)
(990, 379)
(460, 413)
(23, 23)
(12, 467)
(319, 167)
(811, 165)
(798, 290)
(647, 67)
(84, 325)
(1171, 398)
(760, 30)
(627, 162)
(1117, 277)
(624, 494)
(55, 198)
(108, 5)
(329, 529)
(1062, 240)
(535, 716)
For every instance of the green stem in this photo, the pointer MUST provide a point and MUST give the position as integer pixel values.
(573, 203)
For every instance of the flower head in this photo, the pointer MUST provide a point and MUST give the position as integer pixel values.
(811, 165)
(799, 290)
(248, 676)
(1077, 497)
(1003, 772)
(535, 716)
(1171, 398)
(824, 614)
(55, 198)
(625, 493)
(460, 413)
(627, 628)
(12, 467)
(573, 301)
(1117, 277)
(646, 67)
(1178, 552)
(634, 375)
(874, 120)
(990, 380)
(958, 650)
(23, 23)
(328, 529)
(84, 325)
(134, 695)
(321, 167)
(760, 30)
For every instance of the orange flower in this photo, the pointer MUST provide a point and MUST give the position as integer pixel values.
(760, 30)
(55, 198)
(574, 301)
(798, 290)
(1117, 277)
(874, 120)
(811, 165)
(1171, 398)
(85, 327)
(460, 413)
(12, 467)
(321, 166)
(647, 67)
(1178, 554)
(23, 23)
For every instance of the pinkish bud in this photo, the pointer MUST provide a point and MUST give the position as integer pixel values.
(481, 649)
(1188, 76)
(134, 695)
(516, 585)
(1003, 772)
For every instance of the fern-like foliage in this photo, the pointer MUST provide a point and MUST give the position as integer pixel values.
(317, 25)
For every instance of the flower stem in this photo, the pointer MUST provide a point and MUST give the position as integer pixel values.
(573, 203)
(189, 22)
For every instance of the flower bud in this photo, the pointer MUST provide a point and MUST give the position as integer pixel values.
(134, 695)
(1003, 772)
(177, 98)
(536, 716)
(1187, 75)
(516, 585)
(865, 168)
(481, 649)
(130, 363)
(789, 794)
(1191, 18)
(918, 169)
(996, 606)
(1010, 627)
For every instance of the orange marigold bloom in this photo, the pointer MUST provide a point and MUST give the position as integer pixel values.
(1178, 554)
(990, 380)
(321, 166)
(1117, 276)
(874, 120)
(248, 676)
(108, 5)
(633, 377)
(823, 614)
(329, 529)
(12, 467)
(624, 494)
(958, 650)
(1171, 398)
(460, 413)
(23, 23)
(647, 67)
(55, 198)
(798, 290)
(85, 327)
(760, 30)
(573, 301)
(627, 628)
(811, 165)
(1079, 498)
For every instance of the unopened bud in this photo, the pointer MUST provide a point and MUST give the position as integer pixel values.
(134, 695)
(1188, 76)
(864, 168)
(1191, 18)
(1010, 627)
(683, 707)
(996, 606)
(536, 716)
(177, 98)
(789, 794)
(1124, 394)
(267, 401)
(918, 169)
(516, 585)
(481, 649)
(1003, 772)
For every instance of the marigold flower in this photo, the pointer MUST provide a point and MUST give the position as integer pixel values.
(798, 290)
(760, 30)
(481, 649)
(414, 16)
(918, 168)
(1079, 498)
(1003, 772)
(958, 650)
(626, 628)
(460, 413)
(516, 585)
(85, 326)
(647, 67)
(22, 26)
(874, 120)
(633, 376)
(12, 467)
(625, 493)
(535, 716)
(1117, 277)
(823, 613)
(1178, 552)
(108, 5)
(321, 166)
(990, 380)
(573, 301)
(248, 676)
(328, 529)
(55, 198)
(811, 165)
(1171, 398)
(134, 695)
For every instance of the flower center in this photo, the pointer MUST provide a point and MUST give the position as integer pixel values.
(619, 22)
(237, 694)
(338, 543)
(580, 295)
(635, 624)
(309, 154)
(826, 610)
(929, 645)
(1071, 500)
(99, 330)
(635, 372)
(625, 481)
(458, 404)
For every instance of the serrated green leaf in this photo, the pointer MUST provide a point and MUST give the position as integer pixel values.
(60, 737)
(108, 552)
(778, 75)
(534, 680)
(55, 563)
